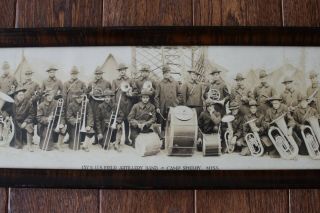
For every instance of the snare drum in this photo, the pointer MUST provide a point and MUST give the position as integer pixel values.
(181, 131)
(211, 145)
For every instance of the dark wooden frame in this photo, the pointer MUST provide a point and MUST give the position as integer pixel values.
(266, 36)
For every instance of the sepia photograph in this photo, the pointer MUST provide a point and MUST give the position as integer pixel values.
(160, 108)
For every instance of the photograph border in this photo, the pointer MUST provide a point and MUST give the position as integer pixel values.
(130, 179)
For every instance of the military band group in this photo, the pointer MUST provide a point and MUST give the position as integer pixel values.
(100, 113)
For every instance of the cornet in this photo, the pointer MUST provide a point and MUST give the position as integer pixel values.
(253, 140)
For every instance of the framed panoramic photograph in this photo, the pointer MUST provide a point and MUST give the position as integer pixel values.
(160, 107)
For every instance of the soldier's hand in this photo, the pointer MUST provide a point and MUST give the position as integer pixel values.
(234, 140)
(302, 127)
(23, 125)
(61, 126)
(119, 126)
(88, 128)
(255, 129)
(50, 118)
(158, 110)
(100, 136)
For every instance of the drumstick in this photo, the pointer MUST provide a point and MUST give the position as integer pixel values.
(161, 115)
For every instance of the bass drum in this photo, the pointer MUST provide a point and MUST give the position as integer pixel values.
(7, 133)
(211, 145)
(181, 131)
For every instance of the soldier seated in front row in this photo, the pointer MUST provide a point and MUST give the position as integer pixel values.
(142, 116)
(46, 116)
(75, 118)
(258, 117)
(301, 115)
(109, 131)
(23, 114)
(208, 121)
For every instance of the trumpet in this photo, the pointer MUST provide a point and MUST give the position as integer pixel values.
(51, 123)
(253, 140)
(311, 135)
(228, 135)
(282, 139)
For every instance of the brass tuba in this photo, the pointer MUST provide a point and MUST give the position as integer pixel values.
(8, 125)
(253, 140)
(282, 139)
(228, 135)
(311, 136)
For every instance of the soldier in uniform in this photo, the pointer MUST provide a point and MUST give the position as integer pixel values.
(263, 91)
(209, 119)
(166, 96)
(237, 126)
(241, 94)
(105, 119)
(141, 82)
(192, 92)
(32, 87)
(277, 110)
(217, 86)
(95, 91)
(45, 115)
(290, 96)
(142, 116)
(75, 117)
(313, 91)
(52, 83)
(127, 97)
(23, 118)
(300, 115)
(8, 83)
(260, 127)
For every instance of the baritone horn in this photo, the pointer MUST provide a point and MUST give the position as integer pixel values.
(228, 135)
(253, 140)
(311, 135)
(282, 139)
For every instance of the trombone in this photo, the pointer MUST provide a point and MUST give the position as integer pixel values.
(80, 126)
(51, 123)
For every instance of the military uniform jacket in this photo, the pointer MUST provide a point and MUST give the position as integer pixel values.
(45, 109)
(100, 84)
(259, 122)
(219, 85)
(7, 82)
(52, 84)
(238, 92)
(31, 87)
(23, 111)
(291, 97)
(126, 102)
(75, 108)
(71, 87)
(142, 113)
(263, 92)
(316, 103)
(104, 112)
(167, 94)
(300, 115)
(272, 114)
(207, 122)
(192, 93)
(237, 125)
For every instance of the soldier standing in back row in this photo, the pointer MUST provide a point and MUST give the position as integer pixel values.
(290, 95)
(32, 87)
(241, 94)
(166, 97)
(52, 83)
(313, 91)
(127, 97)
(192, 92)
(95, 91)
(8, 83)
(263, 92)
(217, 90)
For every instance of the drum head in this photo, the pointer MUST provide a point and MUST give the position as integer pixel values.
(183, 113)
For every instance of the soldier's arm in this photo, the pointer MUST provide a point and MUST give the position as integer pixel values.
(89, 89)
(70, 118)
(152, 120)
(157, 96)
(132, 115)
(31, 114)
(184, 91)
(226, 93)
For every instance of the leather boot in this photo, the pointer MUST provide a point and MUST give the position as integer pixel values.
(29, 142)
